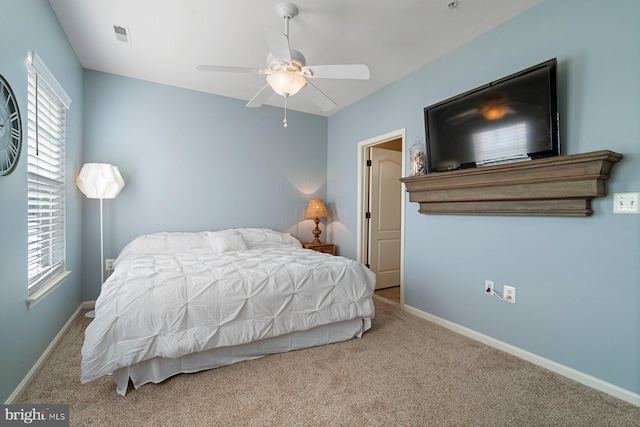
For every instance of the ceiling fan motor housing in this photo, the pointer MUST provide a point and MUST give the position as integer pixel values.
(298, 61)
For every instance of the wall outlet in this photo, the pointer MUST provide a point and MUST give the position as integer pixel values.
(488, 287)
(108, 264)
(626, 203)
(509, 294)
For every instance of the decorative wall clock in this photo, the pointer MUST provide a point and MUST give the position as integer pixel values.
(10, 129)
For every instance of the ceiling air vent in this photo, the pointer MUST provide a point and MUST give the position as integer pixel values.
(122, 34)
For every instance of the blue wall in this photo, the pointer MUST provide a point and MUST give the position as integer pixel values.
(193, 161)
(577, 279)
(25, 334)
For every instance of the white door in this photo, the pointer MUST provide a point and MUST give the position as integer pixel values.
(384, 206)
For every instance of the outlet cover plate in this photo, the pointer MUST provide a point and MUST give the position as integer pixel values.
(488, 287)
(510, 294)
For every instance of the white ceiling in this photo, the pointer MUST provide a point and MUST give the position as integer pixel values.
(170, 38)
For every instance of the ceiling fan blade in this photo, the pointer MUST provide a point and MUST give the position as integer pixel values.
(224, 69)
(278, 45)
(319, 98)
(350, 71)
(260, 97)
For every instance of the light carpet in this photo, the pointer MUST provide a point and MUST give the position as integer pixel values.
(405, 371)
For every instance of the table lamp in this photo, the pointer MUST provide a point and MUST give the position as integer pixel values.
(315, 211)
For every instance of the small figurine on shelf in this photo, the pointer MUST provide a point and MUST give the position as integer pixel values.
(416, 158)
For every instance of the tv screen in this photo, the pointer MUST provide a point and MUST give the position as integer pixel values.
(511, 119)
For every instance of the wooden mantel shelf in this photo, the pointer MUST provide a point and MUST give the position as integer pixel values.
(554, 186)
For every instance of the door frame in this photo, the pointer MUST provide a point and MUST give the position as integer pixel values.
(363, 194)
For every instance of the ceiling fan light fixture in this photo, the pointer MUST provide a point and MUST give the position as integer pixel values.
(285, 83)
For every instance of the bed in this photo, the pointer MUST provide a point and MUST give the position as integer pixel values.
(186, 302)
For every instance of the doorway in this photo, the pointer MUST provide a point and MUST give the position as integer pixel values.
(381, 200)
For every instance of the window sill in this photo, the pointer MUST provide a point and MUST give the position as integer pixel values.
(46, 289)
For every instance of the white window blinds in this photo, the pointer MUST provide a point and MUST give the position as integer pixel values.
(47, 105)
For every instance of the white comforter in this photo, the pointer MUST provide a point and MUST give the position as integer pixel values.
(189, 298)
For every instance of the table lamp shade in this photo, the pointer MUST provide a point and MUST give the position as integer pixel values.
(316, 209)
(100, 181)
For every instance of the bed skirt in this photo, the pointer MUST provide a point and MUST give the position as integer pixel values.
(159, 369)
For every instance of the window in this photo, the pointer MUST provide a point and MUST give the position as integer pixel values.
(47, 105)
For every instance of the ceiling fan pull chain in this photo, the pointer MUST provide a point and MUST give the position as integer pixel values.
(285, 111)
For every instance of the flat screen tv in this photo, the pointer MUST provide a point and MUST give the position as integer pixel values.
(511, 119)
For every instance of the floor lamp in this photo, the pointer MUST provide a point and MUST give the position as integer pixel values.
(100, 181)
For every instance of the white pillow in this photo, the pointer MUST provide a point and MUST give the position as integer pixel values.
(228, 243)
(165, 242)
(266, 238)
(218, 236)
(222, 233)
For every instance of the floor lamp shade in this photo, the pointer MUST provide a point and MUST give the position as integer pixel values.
(100, 181)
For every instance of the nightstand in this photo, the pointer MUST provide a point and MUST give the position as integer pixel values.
(327, 248)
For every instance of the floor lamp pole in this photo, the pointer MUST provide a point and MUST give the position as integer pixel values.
(92, 313)
(101, 247)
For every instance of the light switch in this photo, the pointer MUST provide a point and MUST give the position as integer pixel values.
(626, 203)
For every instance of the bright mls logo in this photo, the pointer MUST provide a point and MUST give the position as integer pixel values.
(35, 415)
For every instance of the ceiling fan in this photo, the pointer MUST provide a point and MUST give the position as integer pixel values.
(287, 72)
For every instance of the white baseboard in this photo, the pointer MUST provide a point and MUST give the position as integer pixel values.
(581, 377)
(388, 301)
(88, 305)
(43, 358)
